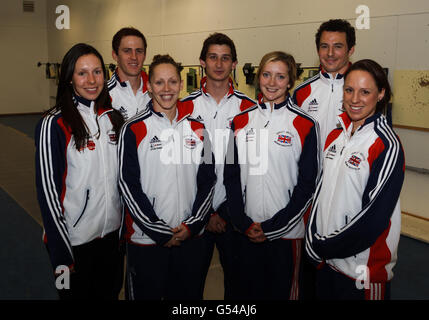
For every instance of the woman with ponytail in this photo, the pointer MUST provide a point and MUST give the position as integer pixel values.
(166, 177)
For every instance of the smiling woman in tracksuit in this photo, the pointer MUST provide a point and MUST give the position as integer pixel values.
(167, 178)
(354, 227)
(76, 178)
(270, 175)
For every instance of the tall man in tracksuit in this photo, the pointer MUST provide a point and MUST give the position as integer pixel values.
(215, 104)
(128, 84)
(322, 97)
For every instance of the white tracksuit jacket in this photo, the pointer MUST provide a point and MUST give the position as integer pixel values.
(322, 98)
(77, 190)
(217, 119)
(271, 169)
(123, 98)
(166, 175)
(355, 220)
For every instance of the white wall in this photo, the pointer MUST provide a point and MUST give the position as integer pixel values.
(24, 42)
(416, 148)
(179, 26)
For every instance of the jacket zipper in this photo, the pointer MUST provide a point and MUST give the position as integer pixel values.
(84, 208)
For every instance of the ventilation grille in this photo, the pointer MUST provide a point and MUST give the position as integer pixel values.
(28, 6)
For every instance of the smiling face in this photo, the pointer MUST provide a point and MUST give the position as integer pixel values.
(165, 86)
(130, 57)
(88, 77)
(333, 52)
(361, 95)
(274, 81)
(218, 63)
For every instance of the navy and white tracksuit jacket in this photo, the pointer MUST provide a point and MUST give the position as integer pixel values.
(355, 220)
(271, 169)
(322, 97)
(217, 119)
(123, 98)
(77, 190)
(166, 174)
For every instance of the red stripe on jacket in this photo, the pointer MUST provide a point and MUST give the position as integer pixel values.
(140, 131)
(302, 94)
(379, 257)
(240, 121)
(303, 126)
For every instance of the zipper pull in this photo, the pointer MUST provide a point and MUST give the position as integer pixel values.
(267, 123)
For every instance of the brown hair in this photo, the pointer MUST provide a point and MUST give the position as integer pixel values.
(219, 39)
(380, 77)
(65, 92)
(337, 25)
(160, 59)
(128, 31)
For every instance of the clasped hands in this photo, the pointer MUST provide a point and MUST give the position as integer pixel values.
(180, 233)
(255, 233)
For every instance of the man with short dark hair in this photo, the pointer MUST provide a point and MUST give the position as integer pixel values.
(128, 84)
(322, 95)
(215, 104)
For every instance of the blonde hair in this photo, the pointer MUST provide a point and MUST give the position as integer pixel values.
(284, 57)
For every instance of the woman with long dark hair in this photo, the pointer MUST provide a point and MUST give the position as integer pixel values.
(77, 180)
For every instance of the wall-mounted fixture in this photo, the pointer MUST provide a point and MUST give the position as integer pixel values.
(249, 73)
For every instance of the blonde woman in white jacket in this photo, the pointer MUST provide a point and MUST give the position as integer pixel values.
(270, 176)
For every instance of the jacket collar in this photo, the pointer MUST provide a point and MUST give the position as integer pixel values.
(327, 76)
(89, 104)
(124, 84)
(346, 121)
(81, 100)
(204, 90)
(182, 110)
(277, 106)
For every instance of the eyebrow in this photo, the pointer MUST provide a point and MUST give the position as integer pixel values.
(222, 55)
(274, 72)
(335, 43)
(349, 86)
(138, 48)
(88, 69)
